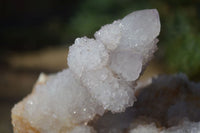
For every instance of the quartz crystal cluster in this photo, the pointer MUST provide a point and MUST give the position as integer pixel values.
(101, 77)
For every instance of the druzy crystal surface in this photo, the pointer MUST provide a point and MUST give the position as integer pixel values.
(101, 77)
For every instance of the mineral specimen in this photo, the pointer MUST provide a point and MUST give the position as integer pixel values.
(101, 77)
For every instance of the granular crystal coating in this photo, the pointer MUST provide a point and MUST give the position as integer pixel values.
(59, 102)
(101, 77)
(113, 93)
(86, 54)
(110, 35)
